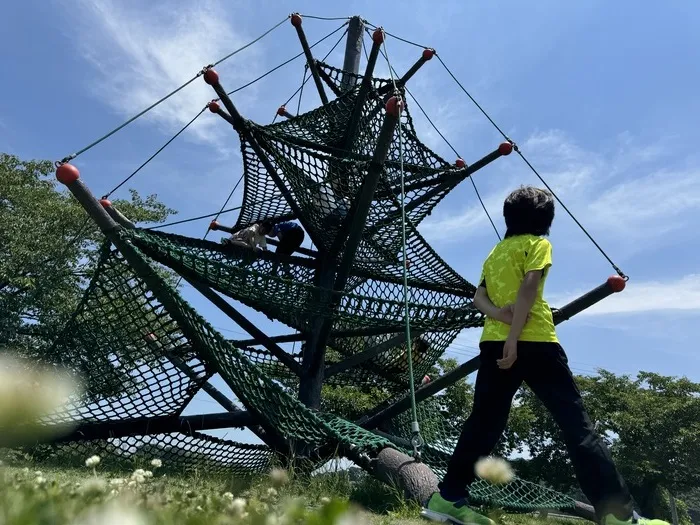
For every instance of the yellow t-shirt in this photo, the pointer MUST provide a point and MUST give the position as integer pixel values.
(502, 275)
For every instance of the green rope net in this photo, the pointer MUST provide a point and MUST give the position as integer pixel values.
(145, 352)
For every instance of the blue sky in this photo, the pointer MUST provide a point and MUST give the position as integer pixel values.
(601, 97)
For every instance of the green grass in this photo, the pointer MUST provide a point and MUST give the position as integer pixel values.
(34, 494)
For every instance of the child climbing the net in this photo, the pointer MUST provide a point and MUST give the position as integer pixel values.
(519, 344)
(251, 237)
(291, 236)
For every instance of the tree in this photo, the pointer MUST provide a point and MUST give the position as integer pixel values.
(48, 247)
(652, 424)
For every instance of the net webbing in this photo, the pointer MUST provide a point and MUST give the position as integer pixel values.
(292, 302)
(146, 351)
(117, 292)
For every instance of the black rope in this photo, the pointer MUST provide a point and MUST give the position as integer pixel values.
(615, 267)
(522, 156)
(305, 79)
(396, 37)
(225, 203)
(205, 107)
(216, 214)
(365, 48)
(155, 154)
(221, 210)
(326, 17)
(476, 190)
(478, 195)
(254, 41)
(183, 221)
(472, 99)
(285, 62)
(166, 97)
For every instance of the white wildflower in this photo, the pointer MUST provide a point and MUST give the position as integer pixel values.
(25, 470)
(494, 470)
(198, 508)
(117, 481)
(279, 477)
(238, 506)
(227, 495)
(325, 500)
(94, 486)
(92, 461)
(139, 475)
(352, 518)
(272, 492)
(27, 395)
(156, 463)
(112, 514)
(147, 474)
(40, 480)
(131, 483)
(38, 473)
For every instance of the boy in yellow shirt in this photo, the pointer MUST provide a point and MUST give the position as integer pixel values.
(519, 344)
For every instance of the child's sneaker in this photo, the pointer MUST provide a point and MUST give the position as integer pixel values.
(634, 520)
(439, 509)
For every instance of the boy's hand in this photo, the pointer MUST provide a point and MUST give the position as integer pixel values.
(505, 314)
(510, 354)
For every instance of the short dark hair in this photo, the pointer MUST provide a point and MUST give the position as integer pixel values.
(528, 210)
(267, 225)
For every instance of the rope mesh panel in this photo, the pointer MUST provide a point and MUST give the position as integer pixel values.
(178, 452)
(441, 437)
(126, 349)
(106, 308)
(293, 302)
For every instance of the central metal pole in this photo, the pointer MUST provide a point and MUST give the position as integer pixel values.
(353, 53)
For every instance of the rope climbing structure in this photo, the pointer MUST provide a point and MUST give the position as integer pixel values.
(354, 173)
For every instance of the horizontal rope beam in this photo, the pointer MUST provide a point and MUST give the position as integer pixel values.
(380, 414)
(91, 430)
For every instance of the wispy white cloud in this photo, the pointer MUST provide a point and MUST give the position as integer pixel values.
(651, 296)
(141, 53)
(628, 192)
(451, 226)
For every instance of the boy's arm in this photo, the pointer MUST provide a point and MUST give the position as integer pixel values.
(484, 305)
(523, 304)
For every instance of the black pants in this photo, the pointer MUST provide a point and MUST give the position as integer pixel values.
(290, 240)
(544, 368)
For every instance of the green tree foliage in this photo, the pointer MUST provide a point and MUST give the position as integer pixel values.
(48, 251)
(651, 423)
(47, 245)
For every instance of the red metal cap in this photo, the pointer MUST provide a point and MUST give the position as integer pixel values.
(67, 174)
(617, 283)
(211, 77)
